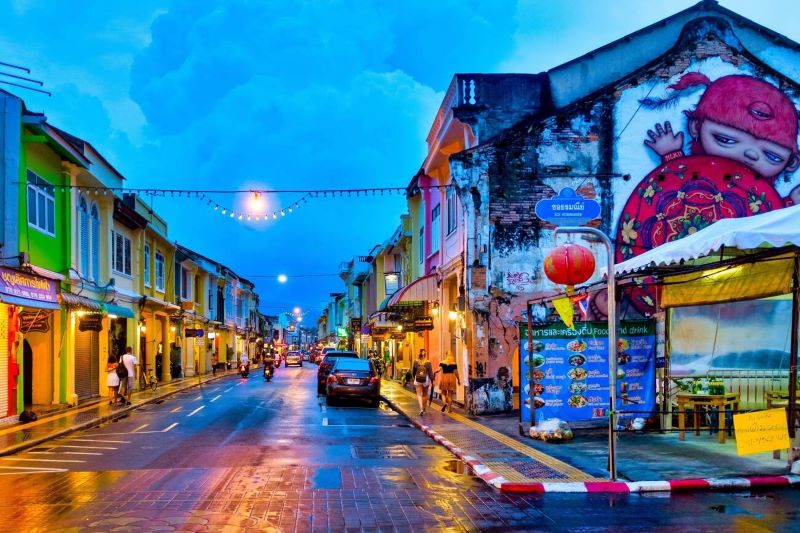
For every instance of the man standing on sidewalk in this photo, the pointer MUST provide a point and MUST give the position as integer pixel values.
(126, 385)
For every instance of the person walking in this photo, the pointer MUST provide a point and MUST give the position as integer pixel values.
(449, 381)
(112, 380)
(214, 361)
(423, 379)
(126, 385)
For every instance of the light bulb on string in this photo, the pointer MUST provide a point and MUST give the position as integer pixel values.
(274, 216)
(216, 207)
(283, 213)
(224, 210)
(233, 214)
(257, 218)
(290, 209)
(248, 217)
(240, 217)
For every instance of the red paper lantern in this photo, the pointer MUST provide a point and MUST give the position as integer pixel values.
(569, 264)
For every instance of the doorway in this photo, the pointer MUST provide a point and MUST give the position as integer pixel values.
(27, 373)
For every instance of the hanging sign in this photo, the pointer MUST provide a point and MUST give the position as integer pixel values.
(191, 332)
(90, 323)
(567, 208)
(761, 431)
(34, 321)
(566, 375)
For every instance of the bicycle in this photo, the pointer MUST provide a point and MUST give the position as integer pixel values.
(147, 379)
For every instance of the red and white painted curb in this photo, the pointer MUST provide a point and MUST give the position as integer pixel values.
(493, 479)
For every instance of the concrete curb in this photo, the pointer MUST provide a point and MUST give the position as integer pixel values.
(497, 481)
(99, 420)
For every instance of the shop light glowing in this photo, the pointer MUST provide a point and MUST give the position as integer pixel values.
(112, 317)
(211, 335)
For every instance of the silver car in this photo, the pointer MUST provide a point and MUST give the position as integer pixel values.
(294, 358)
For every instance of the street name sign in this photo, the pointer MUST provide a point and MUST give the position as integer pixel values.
(567, 208)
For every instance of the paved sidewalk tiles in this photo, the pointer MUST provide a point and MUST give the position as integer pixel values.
(507, 464)
(18, 437)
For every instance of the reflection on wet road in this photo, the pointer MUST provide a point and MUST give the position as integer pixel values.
(246, 454)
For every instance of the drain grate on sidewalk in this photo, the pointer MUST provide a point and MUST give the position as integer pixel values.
(398, 451)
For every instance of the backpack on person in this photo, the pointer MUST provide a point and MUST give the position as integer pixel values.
(122, 370)
(421, 374)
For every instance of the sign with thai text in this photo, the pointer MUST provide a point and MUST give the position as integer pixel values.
(30, 286)
(567, 208)
(34, 321)
(761, 431)
(565, 372)
(91, 323)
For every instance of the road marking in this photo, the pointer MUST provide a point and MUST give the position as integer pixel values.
(177, 409)
(66, 453)
(200, 397)
(325, 421)
(87, 447)
(101, 440)
(216, 398)
(241, 383)
(140, 427)
(42, 460)
(169, 427)
(196, 410)
(30, 470)
(229, 389)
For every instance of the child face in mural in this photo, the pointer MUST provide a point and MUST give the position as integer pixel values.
(738, 117)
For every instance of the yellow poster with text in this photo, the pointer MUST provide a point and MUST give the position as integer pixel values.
(761, 431)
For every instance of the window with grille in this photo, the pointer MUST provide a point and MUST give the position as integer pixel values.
(41, 204)
(120, 253)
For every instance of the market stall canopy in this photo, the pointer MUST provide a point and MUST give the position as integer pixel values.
(425, 289)
(777, 228)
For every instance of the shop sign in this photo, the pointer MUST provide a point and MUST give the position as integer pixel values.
(565, 372)
(341, 331)
(398, 336)
(24, 285)
(191, 332)
(424, 322)
(90, 323)
(761, 431)
(33, 321)
(355, 324)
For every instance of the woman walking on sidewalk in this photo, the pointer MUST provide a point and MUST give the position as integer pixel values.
(423, 379)
(112, 380)
(449, 381)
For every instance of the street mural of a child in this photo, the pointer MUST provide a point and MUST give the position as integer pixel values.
(743, 138)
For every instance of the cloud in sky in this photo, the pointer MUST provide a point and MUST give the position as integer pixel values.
(290, 94)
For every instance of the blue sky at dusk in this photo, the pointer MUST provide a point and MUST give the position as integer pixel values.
(290, 94)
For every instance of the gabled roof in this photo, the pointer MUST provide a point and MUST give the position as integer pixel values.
(85, 146)
(55, 138)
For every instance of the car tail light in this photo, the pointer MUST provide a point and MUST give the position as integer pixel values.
(331, 379)
(373, 380)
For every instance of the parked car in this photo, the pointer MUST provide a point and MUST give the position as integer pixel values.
(353, 378)
(326, 365)
(294, 358)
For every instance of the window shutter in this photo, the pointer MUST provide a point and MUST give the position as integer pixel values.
(95, 247)
(84, 238)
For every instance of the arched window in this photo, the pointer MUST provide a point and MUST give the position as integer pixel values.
(83, 240)
(95, 231)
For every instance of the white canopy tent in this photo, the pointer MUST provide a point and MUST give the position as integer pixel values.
(777, 228)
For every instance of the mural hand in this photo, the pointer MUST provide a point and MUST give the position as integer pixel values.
(663, 140)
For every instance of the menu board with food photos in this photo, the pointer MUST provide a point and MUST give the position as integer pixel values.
(565, 375)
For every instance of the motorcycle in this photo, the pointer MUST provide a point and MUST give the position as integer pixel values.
(269, 371)
(244, 370)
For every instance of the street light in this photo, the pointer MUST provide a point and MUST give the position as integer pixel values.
(282, 278)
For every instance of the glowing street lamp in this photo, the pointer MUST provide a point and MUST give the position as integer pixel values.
(282, 278)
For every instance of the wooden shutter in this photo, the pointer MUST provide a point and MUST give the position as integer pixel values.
(87, 365)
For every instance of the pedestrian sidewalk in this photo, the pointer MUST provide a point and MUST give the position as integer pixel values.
(17, 437)
(514, 463)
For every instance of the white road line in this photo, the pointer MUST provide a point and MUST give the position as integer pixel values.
(101, 440)
(39, 468)
(199, 397)
(216, 398)
(66, 453)
(169, 427)
(196, 410)
(325, 421)
(140, 427)
(229, 389)
(177, 409)
(87, 447)
(42, 460)
(240, 383)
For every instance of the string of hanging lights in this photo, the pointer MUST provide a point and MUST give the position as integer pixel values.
(255, 214)
(200, 193)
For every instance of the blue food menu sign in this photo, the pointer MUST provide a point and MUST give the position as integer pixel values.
(566, 374)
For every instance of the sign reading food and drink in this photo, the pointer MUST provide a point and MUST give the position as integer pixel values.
(30, 286)
(565, 375)
(761, 431)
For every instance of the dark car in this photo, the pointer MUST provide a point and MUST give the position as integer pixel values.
(353, 378)
(326, 364)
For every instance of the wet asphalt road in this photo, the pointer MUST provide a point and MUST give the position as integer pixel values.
(245, 455)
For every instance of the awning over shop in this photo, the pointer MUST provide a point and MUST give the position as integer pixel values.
(160, 305)
(385, 302)
(423, 289)
(114, 309)
(27, 302)
(76, 301)
(777, 228)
